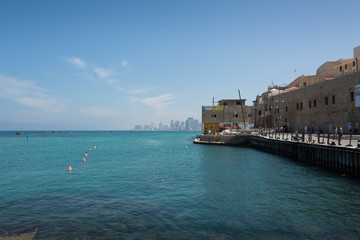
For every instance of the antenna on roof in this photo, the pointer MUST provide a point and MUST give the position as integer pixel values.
(242, 109)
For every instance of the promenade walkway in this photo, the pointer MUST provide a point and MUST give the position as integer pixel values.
(347, 141)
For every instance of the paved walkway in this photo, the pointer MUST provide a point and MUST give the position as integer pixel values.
(313, 139)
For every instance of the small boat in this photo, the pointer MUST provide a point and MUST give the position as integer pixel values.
(18, 133)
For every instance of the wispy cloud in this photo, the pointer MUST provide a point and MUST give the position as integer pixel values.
(160, 102)
(28, 93)
(97, 111)
(124, 63)
(47, 105)
(103, 73)
(11, 86)
(76, 62)
(141, 90)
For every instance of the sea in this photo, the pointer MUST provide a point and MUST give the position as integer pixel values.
(159, 185)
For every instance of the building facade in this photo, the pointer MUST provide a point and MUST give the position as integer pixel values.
(319, 102)
(228, 111)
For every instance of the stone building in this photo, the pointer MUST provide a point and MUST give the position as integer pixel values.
(349, 66)
(228, 111)
(330, 98)
(326, 71)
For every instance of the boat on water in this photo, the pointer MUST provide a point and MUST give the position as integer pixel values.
(18, 133)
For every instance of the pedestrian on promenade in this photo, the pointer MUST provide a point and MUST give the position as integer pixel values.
(340, 133)
(296, 135)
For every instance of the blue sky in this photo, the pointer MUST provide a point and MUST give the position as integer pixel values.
(108, 65)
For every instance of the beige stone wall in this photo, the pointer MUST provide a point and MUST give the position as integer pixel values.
(329, 68)
(348, 66)
(303, 81)
(297, 107)
(228, 114)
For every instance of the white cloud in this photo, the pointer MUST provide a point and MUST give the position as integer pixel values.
(28, 93)
(76, 62)
(124, 63)
(11, 87)
(47, 105)
(160, 102)
(111, 81)
(141, 90)
(119, 88)
(103, 73)
(97, 112)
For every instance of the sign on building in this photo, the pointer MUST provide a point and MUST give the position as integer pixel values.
(215, 108)
(357, 95)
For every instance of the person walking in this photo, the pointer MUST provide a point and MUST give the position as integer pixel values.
(296, 135)
(340, 133)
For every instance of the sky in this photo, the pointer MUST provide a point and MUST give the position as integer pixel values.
(111, 65)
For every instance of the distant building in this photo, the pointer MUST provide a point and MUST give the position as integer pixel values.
(138, 127)
(228, 111)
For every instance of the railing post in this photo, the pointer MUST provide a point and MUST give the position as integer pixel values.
(349, 145)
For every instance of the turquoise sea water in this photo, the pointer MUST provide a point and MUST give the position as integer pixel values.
(149, 185)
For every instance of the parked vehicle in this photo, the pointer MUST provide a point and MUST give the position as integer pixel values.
(227, 126)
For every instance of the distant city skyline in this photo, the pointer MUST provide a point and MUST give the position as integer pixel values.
(108, 65)
(190, 124)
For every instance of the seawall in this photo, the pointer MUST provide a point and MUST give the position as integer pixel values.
(339, 158)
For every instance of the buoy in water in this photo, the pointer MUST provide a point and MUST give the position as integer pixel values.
(186, 146)
(86, 154)
(94, 147)
(84, 160)
(69, 168)
(160, 145)
(89, 149)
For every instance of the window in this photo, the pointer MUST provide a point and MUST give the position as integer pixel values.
(238, 103)
(351, 96)
(340, 68)
(333, 99)
(259, 113)
(297, 106)
(310, 104)
(213, 115)
(235, 115)
(353, 63)
(345, 66)
(301, 105)
(304, 84)
(314, 102)
(285, 119)
(286, 109)
(326, 101)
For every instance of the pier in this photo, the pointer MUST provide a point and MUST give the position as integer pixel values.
(317, 150)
